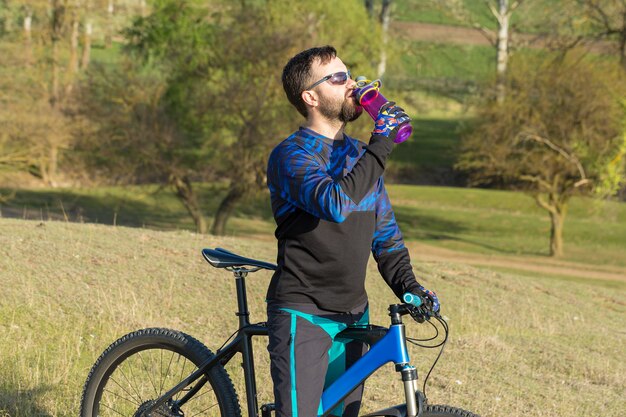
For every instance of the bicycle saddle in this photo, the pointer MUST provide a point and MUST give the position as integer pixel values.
(221, 258)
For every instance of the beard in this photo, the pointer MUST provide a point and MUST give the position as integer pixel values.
(345, 110)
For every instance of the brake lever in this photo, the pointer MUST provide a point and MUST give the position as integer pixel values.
(418, 313)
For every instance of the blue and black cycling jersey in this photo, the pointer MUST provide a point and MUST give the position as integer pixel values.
(331, 209)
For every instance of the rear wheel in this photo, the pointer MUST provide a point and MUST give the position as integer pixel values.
(143, 365)
(445, 411)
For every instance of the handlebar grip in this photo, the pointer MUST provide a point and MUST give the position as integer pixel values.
(412, 299)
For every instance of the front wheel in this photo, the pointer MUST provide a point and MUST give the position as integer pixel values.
(141, 366)
(445, 411)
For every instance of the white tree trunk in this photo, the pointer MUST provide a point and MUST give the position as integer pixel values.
(385, 18)
(108, 39)
(72, 67)
(28, 20)
(503, 16)
(84, 62)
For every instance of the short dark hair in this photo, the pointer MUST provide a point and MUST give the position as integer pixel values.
(297, 73)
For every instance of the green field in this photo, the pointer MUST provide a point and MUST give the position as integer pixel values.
(525, 18)
(469, 220)
(519, 345)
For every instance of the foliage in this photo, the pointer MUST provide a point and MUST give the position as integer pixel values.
(29, 128)
(553, 137)
(220, 86)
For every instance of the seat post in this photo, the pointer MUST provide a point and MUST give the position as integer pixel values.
(242, 297)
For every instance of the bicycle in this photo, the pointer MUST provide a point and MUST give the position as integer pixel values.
(159, 372)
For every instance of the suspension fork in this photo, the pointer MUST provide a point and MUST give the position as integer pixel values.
(408, 372)
(409, 380)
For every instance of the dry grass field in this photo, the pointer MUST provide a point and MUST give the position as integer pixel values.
(519, 345)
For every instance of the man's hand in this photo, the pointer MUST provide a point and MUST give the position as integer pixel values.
(432, 297)
(390, 117)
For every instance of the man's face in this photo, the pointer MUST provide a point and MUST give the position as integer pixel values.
(336, 102)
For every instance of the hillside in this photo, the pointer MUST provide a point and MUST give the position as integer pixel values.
(529, 346)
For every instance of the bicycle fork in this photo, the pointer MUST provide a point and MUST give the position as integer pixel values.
(409, 379)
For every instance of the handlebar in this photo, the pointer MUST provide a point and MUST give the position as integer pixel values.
(419, 308)
(412, 299)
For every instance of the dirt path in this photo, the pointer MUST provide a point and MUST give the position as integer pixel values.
(467, 36)
(428, 253)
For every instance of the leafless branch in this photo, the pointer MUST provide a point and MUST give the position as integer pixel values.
(536, 179)
(602, 15)
(542, 203)
(568, 156)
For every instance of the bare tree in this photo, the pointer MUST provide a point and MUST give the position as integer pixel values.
(557, 134)
(86, 53)
(384, 19)
(108, 37)
(609, 20)
(501, 10)
(73, 64)
(28, 36)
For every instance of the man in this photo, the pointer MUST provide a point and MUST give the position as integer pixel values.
(331, 209)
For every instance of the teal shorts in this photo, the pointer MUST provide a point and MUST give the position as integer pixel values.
(305, 358)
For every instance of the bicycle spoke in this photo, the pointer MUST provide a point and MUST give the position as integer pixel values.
(140, 374)
(148, 372)
(130, 384)
(195, 397)
(182, 372)
(206, 409)
(130, 400)
(113, 409)
(125, 391)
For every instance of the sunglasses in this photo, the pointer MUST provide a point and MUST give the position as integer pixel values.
(336, 78)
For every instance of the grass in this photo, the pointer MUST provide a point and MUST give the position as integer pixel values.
(520, 345)
(471, 220)
(429, 155)
(524, 19)
(508, 223)
(146, 206)
(425, 60)
(608, 284)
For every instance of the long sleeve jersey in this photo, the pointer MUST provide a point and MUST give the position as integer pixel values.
(331, 209)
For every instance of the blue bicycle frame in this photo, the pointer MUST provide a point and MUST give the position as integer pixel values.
(386, 345)
(391, 348)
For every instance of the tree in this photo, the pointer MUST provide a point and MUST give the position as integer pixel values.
(220, 90)
(608, 18)
(557, 134)
(501, 11)
(384, 18)
(36, 130)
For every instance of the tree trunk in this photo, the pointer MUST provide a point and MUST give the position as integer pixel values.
(108, 38)
(56, 26)
(228, 204)
(84, 61)
(185, 192)
(622, 42)
(54, 90)
(502, 56)
(53, 165)
(73, 64)
(369, 6)
(556, 233)
(557, 207)
(28, 38)
(385, 17)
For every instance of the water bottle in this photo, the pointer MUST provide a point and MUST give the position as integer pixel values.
(367, 94)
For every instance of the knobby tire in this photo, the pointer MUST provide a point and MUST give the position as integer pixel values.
(142, 365)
